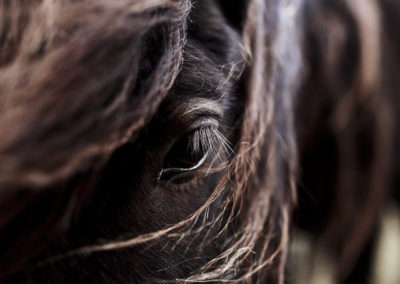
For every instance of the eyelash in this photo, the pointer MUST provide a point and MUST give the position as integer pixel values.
(211, 140)
(202, 144)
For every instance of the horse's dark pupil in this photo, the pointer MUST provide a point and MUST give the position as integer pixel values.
(182, 155)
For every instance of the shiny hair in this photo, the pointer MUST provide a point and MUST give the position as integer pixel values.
(58, 56)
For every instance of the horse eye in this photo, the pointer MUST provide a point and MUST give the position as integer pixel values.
(183, 159)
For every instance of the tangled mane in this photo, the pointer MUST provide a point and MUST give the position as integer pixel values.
(39, 153)
(81, 79)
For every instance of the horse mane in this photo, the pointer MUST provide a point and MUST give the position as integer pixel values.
(58, 132)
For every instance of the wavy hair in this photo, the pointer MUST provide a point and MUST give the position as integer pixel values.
(81, 79)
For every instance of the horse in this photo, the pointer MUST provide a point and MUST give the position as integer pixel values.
(180, 141)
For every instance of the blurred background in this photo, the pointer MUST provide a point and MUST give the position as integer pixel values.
(305, 267)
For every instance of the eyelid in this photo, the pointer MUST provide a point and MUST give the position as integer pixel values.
(203, 123)
(198, 107)
(184, 170)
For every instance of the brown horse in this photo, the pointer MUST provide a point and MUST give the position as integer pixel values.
(147, 141)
